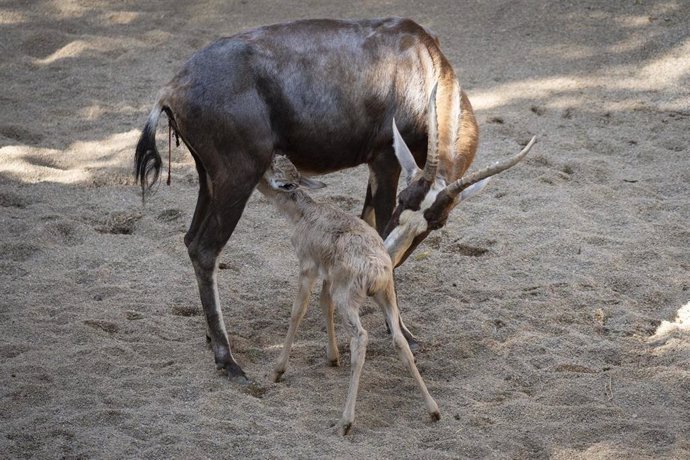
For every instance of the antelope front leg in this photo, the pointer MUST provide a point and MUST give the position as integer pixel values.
(358, 350)
(327, 307)
(307, 277)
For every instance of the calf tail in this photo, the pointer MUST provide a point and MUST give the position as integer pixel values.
(147, 160)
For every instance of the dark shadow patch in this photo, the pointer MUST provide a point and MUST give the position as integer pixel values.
(45, 161)
(44, 43)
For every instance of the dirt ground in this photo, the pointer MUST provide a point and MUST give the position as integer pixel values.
(550, 308)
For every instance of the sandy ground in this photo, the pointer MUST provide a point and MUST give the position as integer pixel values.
(537, 305)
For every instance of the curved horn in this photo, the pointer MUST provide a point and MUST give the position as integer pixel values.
(461, 184)
(403, 154)
(432, 147)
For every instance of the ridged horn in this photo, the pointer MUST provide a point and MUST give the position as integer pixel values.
(461, 184)
(432, 147)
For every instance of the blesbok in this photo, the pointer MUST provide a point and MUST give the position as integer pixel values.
(352, 260)
(323, 93)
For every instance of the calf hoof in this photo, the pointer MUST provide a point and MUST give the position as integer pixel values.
(277, 376)
(343, 428)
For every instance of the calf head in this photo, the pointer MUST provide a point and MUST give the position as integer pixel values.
(282, 176)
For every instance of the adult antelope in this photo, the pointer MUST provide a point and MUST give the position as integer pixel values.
(324, 93)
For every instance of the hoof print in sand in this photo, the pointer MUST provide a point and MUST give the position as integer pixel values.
(186, 311)
(64, 232)
(12, 200)
(18, 252)
(469, 251)
(169, 215)
(119, 223)
(106, 326)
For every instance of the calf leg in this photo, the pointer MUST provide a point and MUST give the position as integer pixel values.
(327, 307)
(387, 301)
(349, 309)
(307, 277)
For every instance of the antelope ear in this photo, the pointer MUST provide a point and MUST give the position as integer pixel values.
(404, 156)
(473, 189)
(311, 184)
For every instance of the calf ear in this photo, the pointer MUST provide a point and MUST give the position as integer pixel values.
(473, 189)
(310, 184)
(404, 156)
(283, 185)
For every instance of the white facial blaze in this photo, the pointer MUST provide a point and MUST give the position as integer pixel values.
(436, 188)
(411, 224)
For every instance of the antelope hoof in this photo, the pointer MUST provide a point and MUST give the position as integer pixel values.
(435, 416)
(277, 376)
(334, 362)
(239, 379)
(235, 373)
(343, 428)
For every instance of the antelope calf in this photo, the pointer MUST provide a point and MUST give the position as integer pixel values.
(352, 260)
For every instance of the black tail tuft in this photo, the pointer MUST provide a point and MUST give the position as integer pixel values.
(147, 160)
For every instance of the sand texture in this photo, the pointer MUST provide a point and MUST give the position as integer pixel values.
(537, 306)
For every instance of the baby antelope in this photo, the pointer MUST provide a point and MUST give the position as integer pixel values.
(350, 257)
